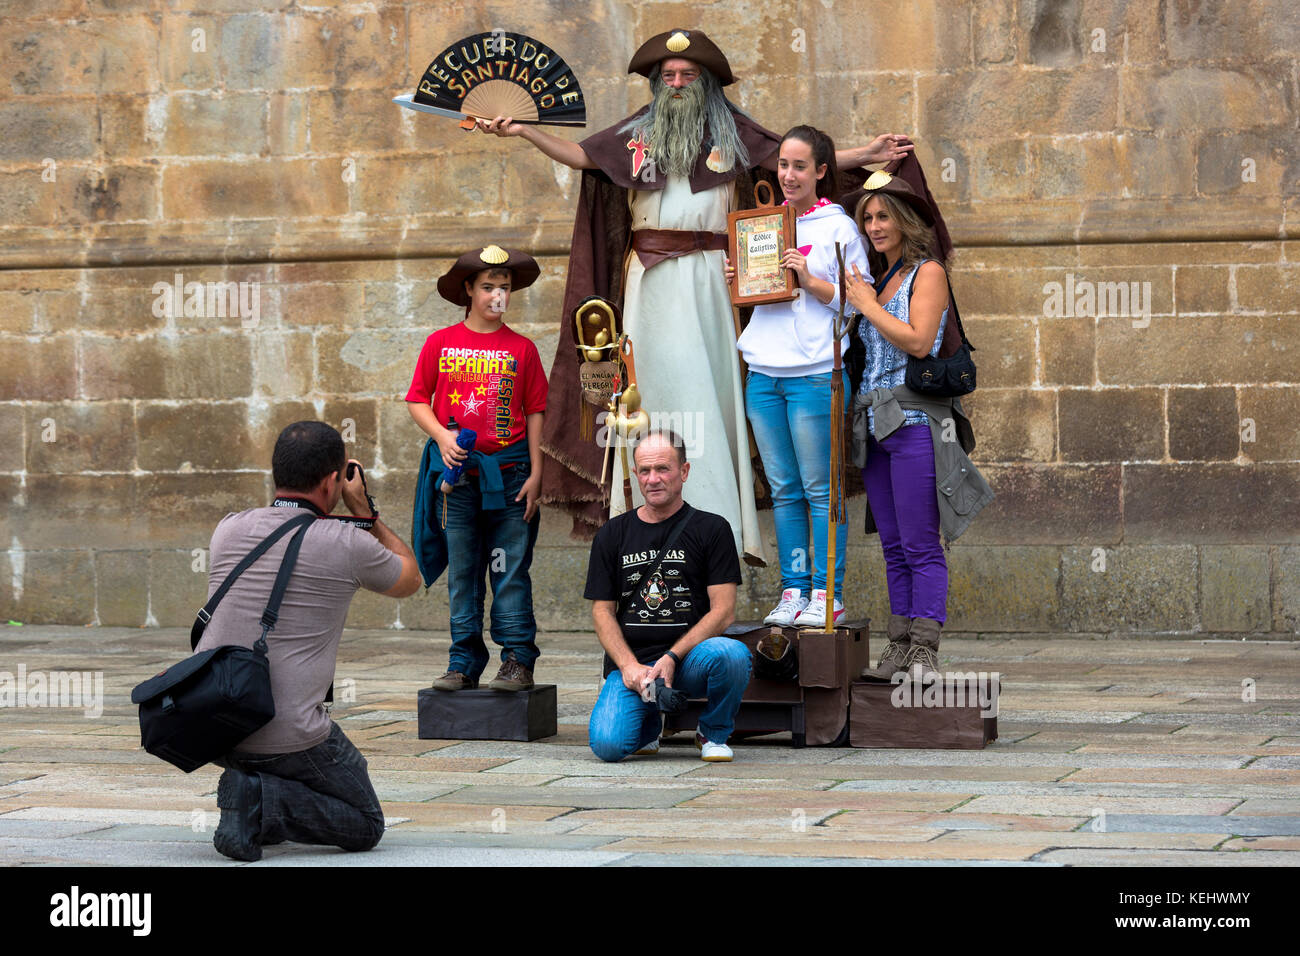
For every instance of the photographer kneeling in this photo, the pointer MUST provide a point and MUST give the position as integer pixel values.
(299, 778)
(662, 579)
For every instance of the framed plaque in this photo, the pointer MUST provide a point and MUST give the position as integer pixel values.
(756, 240)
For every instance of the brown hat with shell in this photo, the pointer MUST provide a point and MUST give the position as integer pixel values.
(524, 271)
(691, 45)
(883, 182)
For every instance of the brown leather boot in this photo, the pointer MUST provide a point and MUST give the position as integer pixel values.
(512, 676)
(924, 652)
(891, 658)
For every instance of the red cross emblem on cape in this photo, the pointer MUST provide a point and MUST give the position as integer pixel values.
(639, 148)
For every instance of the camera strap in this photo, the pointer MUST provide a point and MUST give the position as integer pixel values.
(361, 521)
(284, 501)
(296, 524)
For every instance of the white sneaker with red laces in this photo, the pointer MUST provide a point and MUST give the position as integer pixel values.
(791, 603)
(814, 615)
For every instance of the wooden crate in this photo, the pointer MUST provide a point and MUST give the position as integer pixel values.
(897, 715)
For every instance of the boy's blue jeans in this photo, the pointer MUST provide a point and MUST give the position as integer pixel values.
(791, 418)
(716, 668)
(496, 546)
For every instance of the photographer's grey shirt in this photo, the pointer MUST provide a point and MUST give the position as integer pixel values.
(336, 559)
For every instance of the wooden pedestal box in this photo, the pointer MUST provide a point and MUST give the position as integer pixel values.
(955, 714)
(814, 708)
(487, 714)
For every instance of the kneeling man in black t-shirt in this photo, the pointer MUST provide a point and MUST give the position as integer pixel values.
(660, 615)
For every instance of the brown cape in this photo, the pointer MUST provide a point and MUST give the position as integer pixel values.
(601, 242)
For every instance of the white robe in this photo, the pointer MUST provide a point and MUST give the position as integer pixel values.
(679, 317)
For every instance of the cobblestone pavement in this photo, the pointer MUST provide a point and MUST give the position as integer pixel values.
(1111, 753)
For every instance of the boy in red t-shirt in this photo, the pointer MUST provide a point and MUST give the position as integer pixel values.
(488, 378)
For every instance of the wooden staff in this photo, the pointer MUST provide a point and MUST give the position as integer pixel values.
(611, 423)
(631, 417)
(611, 416)
(836, 510)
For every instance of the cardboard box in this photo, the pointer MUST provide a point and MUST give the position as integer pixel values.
(949, 714)
(487, 714)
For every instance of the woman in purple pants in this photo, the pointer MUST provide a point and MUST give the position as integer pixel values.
(903, 315)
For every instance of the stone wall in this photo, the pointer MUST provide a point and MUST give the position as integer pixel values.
(1143, 442)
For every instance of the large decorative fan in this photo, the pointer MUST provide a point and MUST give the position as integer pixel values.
(499, 74)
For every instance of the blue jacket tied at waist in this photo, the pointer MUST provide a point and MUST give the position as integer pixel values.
(427, 538)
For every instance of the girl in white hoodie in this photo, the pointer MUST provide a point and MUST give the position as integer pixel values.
(788, 347)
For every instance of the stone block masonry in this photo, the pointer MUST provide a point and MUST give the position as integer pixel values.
(213, 223)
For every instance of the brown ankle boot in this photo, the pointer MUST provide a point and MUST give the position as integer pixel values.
(891, 658)
(924, 652)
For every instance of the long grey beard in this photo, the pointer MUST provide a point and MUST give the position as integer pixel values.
(674, 127)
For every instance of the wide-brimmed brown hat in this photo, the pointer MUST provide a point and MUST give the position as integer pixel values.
(523, 268)
(688, 45)
(883, 182)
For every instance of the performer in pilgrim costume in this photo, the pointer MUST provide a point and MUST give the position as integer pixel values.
(650, 234)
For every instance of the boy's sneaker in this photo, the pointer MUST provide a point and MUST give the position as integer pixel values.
(455, 680)
(788, 608)
(814, 615)
(651, 748)
(713, 753)
(512, 676)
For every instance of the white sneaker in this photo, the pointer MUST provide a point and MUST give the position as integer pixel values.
(791, 603)
(651, 748)
(713, 753)
(814, 615)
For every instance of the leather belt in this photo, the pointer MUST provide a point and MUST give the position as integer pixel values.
(653, 246)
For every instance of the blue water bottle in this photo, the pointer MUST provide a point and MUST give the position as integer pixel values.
(465, 438)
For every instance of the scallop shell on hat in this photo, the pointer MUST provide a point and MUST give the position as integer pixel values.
(877, 179)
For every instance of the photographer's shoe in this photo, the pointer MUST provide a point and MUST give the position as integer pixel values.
(239, 833)
(651, 748)
(455, 680)
(512, 676)
(713, 753)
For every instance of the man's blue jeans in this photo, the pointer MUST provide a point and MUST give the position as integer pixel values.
(716, 668)
(495, 545)
(320, 795)
(791, 418)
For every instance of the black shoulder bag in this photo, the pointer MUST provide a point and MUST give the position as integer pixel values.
(199, 709)
(944, 375)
